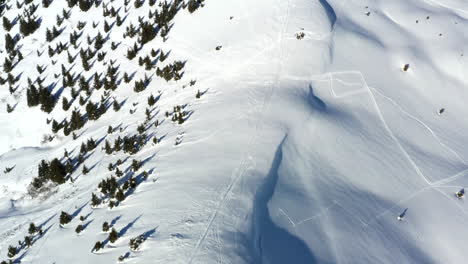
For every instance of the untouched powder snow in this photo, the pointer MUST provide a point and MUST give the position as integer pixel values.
(300, 150)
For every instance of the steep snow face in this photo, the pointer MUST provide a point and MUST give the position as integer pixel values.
(367, 143)
(307, 144)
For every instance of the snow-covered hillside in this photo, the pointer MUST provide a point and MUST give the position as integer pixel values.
(292, 131)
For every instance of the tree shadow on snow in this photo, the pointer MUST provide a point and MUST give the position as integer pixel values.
(272, 244)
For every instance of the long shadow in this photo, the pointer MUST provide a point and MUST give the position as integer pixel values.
(128, 226)
(329, 10)
(272, 244)
(315, 101)
(149, 233)
(46, 221)
(78, 210)
(114, 221)
(87, 224)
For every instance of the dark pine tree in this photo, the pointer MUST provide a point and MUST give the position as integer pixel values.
(65, 218)
(105, 227)
(95, 201)
(113, 236)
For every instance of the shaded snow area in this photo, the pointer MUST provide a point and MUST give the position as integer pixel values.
(293, 133)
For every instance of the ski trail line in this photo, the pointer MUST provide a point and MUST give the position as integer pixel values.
(244, 161)
(465, 12)
(288, 217)
(451, 198)
(382, 119)
(423, 124)
(431, 185)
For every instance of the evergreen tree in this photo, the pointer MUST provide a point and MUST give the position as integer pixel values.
(136, 242)
(85, 170)
(55, 126)
(49, 36)
(99, 41)
(118, 21)
(118, 172)
(93, 111)
(193, 5)
(65, 218)
(46, 99)
(126, 78)
(107, 27)
(91, 144)
(68, 167)
(28, 25)
(46, 3)
(151, 100)
(139, 86)
(85, 64)
(120, 196)
(9, 108)
(95, 201)
(79, 228)
(147, 33)
(7, 66)
(10, 43)
(72, 3)
(138, 3)
(57, 171)
(12, 251)
(113, 235)
(65, 104)
(76, 121)
(180, 118)
(97, 246)
(141, 129)
(85, 5)
(136, 165)
(131, 54)
(32, 229)
(28, 241)
(7, 25)
(105, 227)
(108, 148)
(116, 106)
(97, 83)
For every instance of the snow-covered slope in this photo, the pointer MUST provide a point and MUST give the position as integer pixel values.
(300, 150)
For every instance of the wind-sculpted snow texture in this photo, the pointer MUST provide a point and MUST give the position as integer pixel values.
(308, 141)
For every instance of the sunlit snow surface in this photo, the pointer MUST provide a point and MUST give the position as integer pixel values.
(301, 151)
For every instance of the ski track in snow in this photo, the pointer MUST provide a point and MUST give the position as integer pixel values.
(244, 166)
(244, 163)
(367, 89)
(465, 12)
(247, 161)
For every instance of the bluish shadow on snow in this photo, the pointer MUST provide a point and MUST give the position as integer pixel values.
(315, 102)
(273, 244)
(330, 11)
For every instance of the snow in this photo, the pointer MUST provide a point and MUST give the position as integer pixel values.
(299, 151)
